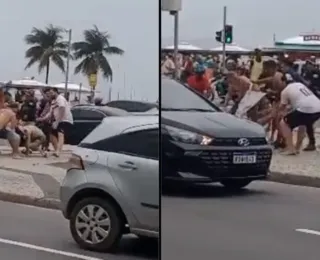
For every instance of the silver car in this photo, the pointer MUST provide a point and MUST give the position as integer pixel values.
(112, 183)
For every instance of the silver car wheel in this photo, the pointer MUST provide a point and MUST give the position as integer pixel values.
(92, 224)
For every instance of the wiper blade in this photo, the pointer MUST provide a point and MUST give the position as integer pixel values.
(188, 109)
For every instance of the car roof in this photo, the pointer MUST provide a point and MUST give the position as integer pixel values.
(132, 105)
(132, 101)
(105, 109)
(154, 111)
(112, 126)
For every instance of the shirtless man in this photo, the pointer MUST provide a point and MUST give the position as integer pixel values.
(237, 86)
(8, 123)
(35, 139)
(273, 86)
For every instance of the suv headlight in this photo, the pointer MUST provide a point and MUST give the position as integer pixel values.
(187, 137)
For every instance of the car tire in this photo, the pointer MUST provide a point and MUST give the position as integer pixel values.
(111, 241)
(235, 184)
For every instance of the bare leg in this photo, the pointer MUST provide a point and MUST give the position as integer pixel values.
(300, 136)
(39, 145)
(60, 142)
(14, 141)
(54, 142)
(35, 145)
(287, 134)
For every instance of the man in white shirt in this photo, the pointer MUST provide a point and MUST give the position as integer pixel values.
(63, 120)
(168, 66)
(305, 112)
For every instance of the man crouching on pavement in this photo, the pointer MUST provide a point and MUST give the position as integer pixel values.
(35, 139)
(8, 124)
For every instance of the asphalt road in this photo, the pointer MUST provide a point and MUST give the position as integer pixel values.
(30, 233)
(206, 222)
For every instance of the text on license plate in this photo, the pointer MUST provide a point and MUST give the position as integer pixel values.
(244, 158)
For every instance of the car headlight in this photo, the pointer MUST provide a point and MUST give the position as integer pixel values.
(188, 137)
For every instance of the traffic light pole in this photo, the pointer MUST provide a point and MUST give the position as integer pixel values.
(176, 42)
(224, 38)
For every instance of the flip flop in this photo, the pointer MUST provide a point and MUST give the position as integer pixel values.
(287, 153)
(17, 157)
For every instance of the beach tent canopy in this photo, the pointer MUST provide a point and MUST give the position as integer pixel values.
(231, 48)
(72, 87)
(25, 83)
(184, 46)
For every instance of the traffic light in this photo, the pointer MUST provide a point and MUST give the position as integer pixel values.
(228, 34)
(219, 36)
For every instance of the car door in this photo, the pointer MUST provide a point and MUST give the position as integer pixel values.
(85, 120)
(135, 169)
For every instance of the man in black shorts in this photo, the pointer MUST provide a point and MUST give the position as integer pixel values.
(305, 111)
(63, 120)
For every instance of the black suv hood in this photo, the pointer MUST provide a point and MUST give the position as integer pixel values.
(215, 124)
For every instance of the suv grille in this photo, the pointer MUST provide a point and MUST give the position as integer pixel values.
(222, 160)
(234, 141)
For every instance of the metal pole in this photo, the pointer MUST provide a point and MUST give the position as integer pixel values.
(68, 63)
(176, 42)
(224, 38)
(80, 90)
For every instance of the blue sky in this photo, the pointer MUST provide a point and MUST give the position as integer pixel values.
(133, 26)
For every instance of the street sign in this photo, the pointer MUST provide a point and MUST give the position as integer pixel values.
(93, 80)
(315, 37)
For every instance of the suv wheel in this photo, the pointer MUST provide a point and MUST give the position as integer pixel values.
(96, 224)
(235, 184)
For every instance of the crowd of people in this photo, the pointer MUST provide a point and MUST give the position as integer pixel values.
(34, 124)
(288, 94)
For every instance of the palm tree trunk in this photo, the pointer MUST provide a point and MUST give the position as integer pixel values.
(47, 72)
(92, 95)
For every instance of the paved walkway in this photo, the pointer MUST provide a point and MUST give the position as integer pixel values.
(33, 180)
(36, 180)
(302, 169)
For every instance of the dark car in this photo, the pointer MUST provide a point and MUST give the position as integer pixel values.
(86, 118)
(132, 105)
(202, 144)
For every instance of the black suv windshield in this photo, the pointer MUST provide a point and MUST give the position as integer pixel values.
(175, 96)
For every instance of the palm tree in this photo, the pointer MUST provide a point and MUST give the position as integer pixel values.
(92, 51)
(47, 46)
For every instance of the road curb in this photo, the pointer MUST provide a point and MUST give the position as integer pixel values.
(293, 179)
(29, 200)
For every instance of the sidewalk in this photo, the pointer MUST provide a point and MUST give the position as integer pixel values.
(302, 169)
(33, 180)
(36, 180)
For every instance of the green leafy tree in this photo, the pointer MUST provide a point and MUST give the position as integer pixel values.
(46, 46)
(93, 52)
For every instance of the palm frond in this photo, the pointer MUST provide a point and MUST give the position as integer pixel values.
(85, 66)
(91, 50)
(56, 58)
(34, 52)
(105, 67)
(61, 45)
(81, 49)
(45, 59)
(47, 44)
(31, 62)
(113, 50)
(62, 53)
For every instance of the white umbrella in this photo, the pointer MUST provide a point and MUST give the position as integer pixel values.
(72, 87)
(184, 46)
(25, 83)
(231, 48)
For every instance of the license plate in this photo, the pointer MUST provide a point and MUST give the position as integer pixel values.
(244, 158)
